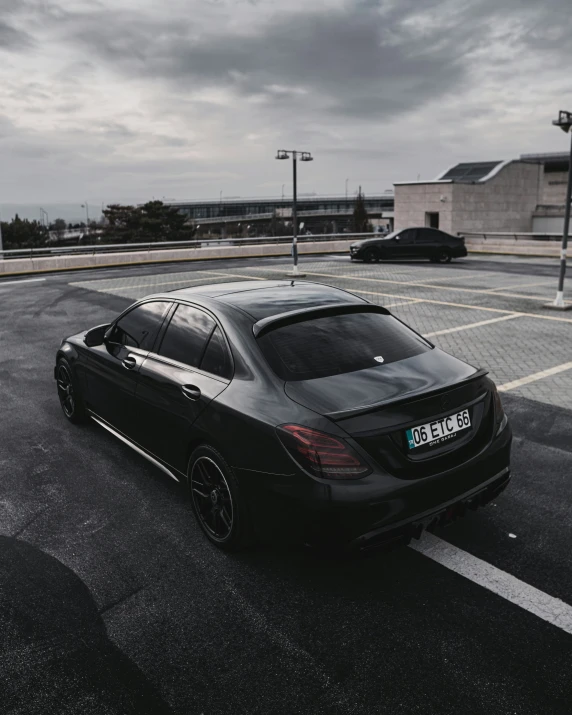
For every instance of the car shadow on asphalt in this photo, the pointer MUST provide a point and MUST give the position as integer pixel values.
(55, 655)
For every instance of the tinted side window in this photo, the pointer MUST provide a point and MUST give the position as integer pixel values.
(428, 236)
(139, 327)
(406, 237)
(338, 344)
(187, 335)
(216, 359)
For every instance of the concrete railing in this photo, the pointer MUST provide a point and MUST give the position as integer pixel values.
(196, 243)
(515, 244)
(506, 236)
(43, 264)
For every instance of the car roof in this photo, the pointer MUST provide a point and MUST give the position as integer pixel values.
(262, 299)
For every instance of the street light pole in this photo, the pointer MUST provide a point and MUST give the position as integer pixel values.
(347, 189)
(294, 214)
(564, 121)
(304, 156)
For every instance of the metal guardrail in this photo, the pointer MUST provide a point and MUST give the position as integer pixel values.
(162, 245)
(491, 236)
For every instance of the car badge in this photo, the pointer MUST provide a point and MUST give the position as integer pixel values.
(445, 402)
(379, 359)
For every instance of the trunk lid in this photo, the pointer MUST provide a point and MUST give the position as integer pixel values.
(378, 405)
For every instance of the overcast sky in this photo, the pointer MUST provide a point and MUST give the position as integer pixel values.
(122, 100)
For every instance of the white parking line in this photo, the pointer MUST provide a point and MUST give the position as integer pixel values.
(545, 282)
(140, 285)
(418, 284)
(531, 599)
(238, 275)
(472, 325)
(536, 376)
(405, 301)
(23, 280)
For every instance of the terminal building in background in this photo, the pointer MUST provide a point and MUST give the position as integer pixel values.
(317, 214)
(525, 195)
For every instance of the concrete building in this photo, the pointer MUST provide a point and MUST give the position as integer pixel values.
(525, 195)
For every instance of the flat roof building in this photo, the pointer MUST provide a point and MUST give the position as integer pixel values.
(525, 195)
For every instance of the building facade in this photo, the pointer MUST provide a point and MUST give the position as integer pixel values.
(524, 195)
(323, 213)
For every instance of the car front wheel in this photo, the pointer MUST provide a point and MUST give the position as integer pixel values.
(69, 393)
(370, 256)
(444, 256)
(216, 500)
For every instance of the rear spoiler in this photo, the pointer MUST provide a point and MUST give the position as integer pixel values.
(322, 311)
(364, 409)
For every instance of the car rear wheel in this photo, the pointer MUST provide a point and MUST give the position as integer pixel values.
(216, 500)
(444, 256)
(370, 255)
(69, 393)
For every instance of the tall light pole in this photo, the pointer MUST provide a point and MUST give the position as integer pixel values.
(564, 121)
(304, 156)
(86, 207)
(347, 189)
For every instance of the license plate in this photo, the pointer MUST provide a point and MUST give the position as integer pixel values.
(439, 431)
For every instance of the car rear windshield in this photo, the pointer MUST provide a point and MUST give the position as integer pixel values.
(334, 345)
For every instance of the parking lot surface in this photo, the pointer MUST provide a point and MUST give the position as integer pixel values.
(112, 601)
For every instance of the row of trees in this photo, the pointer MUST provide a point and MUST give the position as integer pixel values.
(151, 222)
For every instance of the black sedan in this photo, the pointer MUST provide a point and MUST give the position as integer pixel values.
(292, 410)
(437, 246)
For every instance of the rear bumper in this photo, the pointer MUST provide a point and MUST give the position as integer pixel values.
(383, 511)
(400, 534)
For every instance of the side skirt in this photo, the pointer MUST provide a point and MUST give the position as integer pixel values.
(133, 446)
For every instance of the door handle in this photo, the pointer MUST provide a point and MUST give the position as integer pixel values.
(191, 392)
(129, 362)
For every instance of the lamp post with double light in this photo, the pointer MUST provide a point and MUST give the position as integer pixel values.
(564, 121)
(304, 156)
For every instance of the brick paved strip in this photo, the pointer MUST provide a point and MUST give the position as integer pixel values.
(473, 325)
(536, 376)
(465, 305)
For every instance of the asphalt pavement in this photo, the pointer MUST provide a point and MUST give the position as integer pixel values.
(113, 602)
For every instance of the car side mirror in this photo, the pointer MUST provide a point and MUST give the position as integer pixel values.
(96, 336)
(397, 238)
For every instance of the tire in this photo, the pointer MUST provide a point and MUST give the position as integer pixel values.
(69, 393)
(217, 502)
(443, 256)
(370, 256)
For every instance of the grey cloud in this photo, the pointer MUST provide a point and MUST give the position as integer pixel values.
(366, 60)
(13, 39)
(353, 61)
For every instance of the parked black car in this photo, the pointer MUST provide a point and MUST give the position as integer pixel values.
(437, 246)
(292, 410)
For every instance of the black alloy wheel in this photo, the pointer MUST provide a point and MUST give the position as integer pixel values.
(370, 255)
(70, 398)
(444, 256)
(216, 500)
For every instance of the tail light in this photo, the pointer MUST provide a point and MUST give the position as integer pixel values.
(322, 454)
(501, 419)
